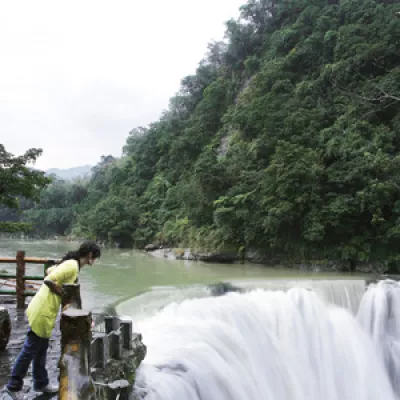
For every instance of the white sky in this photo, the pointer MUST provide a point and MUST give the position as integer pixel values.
(76, 76)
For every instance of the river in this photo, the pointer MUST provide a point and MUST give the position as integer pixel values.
(287, 335)
(122, 274)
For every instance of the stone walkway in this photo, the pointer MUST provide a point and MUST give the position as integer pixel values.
(18, 333)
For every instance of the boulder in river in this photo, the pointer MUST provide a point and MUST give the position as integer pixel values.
(151, 247)
(217, 257)
(221, 288)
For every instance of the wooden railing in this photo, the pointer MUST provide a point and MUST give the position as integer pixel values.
(98, 364)
(19, 280)
(86, 356)
(75, 325)
(110, 343)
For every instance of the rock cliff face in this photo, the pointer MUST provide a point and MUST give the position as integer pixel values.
(189, 254)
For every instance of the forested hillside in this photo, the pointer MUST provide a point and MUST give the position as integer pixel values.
(70, 174)
(286, 140)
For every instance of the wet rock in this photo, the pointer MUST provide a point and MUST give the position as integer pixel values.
(217, 257)
(5, 328)
(378, 278)
(125, 368)
(179, 253)
(139, 349)
(258, 257)
(151, 247)
(221, 288)
(372, 267)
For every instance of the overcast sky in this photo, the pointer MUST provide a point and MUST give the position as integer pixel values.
(76, 76)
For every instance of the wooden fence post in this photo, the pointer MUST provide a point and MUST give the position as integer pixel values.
(127, 331)
(20, 279)
(99, 350)
(71, 296)
(75, 380)
(115, 345)
(76, 337)
(111, 324)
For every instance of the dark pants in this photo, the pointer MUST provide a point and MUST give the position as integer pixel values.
(35, 351)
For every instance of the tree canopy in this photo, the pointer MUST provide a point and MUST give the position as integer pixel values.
(18, 181)
(286, 139)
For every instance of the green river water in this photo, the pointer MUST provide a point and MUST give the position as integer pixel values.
(123, 274)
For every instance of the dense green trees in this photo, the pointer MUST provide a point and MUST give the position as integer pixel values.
(285, 140)
(17, 179)
(56, 211)
(18, 184)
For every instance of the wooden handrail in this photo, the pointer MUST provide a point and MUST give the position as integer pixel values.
(28, 260)
(20, 277)
(26, 277)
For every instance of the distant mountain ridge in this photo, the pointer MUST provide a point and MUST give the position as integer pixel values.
(83, 171)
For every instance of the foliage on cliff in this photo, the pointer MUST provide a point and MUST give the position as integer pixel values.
(58, 207)
(286, 139)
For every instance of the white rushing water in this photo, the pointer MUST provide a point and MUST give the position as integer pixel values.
(379, 314)
(343, 293)
(275, 345)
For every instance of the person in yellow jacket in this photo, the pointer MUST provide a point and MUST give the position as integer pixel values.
(42, 314)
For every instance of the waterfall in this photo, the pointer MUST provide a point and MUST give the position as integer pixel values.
(379, 314)
(275, 345)
(343, 293)
(346, 294)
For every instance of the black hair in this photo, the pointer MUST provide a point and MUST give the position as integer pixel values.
(84, 250)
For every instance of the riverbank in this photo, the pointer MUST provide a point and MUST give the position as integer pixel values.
(256, 257)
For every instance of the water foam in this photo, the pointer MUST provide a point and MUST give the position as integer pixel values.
(379, 314)
(260, 345)
(343, 293)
